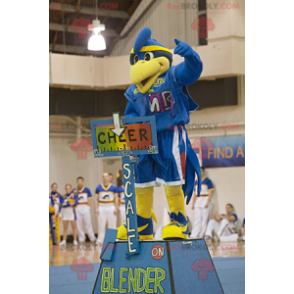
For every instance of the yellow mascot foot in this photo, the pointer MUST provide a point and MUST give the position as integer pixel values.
(145, 228)
(121, 232)
(177, 228)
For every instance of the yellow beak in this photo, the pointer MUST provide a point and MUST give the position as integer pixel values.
(144, 73)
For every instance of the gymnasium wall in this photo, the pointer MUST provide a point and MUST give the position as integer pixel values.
(229, 182)
(168, 18)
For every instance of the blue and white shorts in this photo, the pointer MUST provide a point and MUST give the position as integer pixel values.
(167, 167)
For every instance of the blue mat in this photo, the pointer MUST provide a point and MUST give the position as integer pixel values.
(63, 280)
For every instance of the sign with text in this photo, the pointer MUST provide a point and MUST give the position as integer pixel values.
(133, 137)
(174, 266)
(126, 137)
(130, 206)
(224, 151)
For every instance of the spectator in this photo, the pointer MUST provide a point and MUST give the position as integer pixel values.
(51, 205)
(202, 207)
(106, 207)
(55, 198)
(53, 233)
(84, 198)
(119, 179)
(67, 204)
(221, 225)
(121, 197)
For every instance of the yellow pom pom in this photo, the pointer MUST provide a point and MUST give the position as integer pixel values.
(71, 201)
(51, 209)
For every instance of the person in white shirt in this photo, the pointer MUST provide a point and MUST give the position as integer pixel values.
(83, 207)
(55, 197)
(202, 206)
(121, 198)
(222, 225)
(106, 207)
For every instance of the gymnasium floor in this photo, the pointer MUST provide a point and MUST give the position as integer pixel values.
(228, 258)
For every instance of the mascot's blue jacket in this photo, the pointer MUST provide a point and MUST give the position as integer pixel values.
(159, 89)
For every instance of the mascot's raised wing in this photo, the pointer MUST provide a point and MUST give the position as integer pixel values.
(159, 89)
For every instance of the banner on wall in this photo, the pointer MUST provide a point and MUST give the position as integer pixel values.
(220, 151)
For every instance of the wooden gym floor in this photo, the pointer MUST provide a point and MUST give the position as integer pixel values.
(66, 256)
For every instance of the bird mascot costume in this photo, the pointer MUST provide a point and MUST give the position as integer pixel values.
(159, 89)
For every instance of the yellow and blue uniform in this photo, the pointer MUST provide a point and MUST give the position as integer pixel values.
(121, 194)
(232, 224)
(65, 202)
(201, 213)
(106, 197)
(165, 96)
(51, 206)
(83, 215)
(205, 187)
(82, 195)
(52, 240)
(51, 202)
(160, 90)
(55, 199)
(105, 194)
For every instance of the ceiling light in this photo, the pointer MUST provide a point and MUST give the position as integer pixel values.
(96, 41)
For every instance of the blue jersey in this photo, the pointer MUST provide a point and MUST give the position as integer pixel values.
(51, 201)
(64, 200)
(82, 195)
(243, 225)
(205, 187)
(167, 100)
(121, 194)
(105, 194)
(233, 224)
(55, 197)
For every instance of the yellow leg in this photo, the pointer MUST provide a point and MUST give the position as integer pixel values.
(178, 228)
(144, 198)
(175, 199)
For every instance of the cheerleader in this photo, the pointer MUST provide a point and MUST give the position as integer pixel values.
(67, 205)
(55, 198)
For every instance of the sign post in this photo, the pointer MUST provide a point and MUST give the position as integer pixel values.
(127, 137)
(130, 205)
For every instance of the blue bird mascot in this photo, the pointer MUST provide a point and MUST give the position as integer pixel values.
(159, 89)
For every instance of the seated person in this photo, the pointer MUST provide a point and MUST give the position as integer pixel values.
(222, 226)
